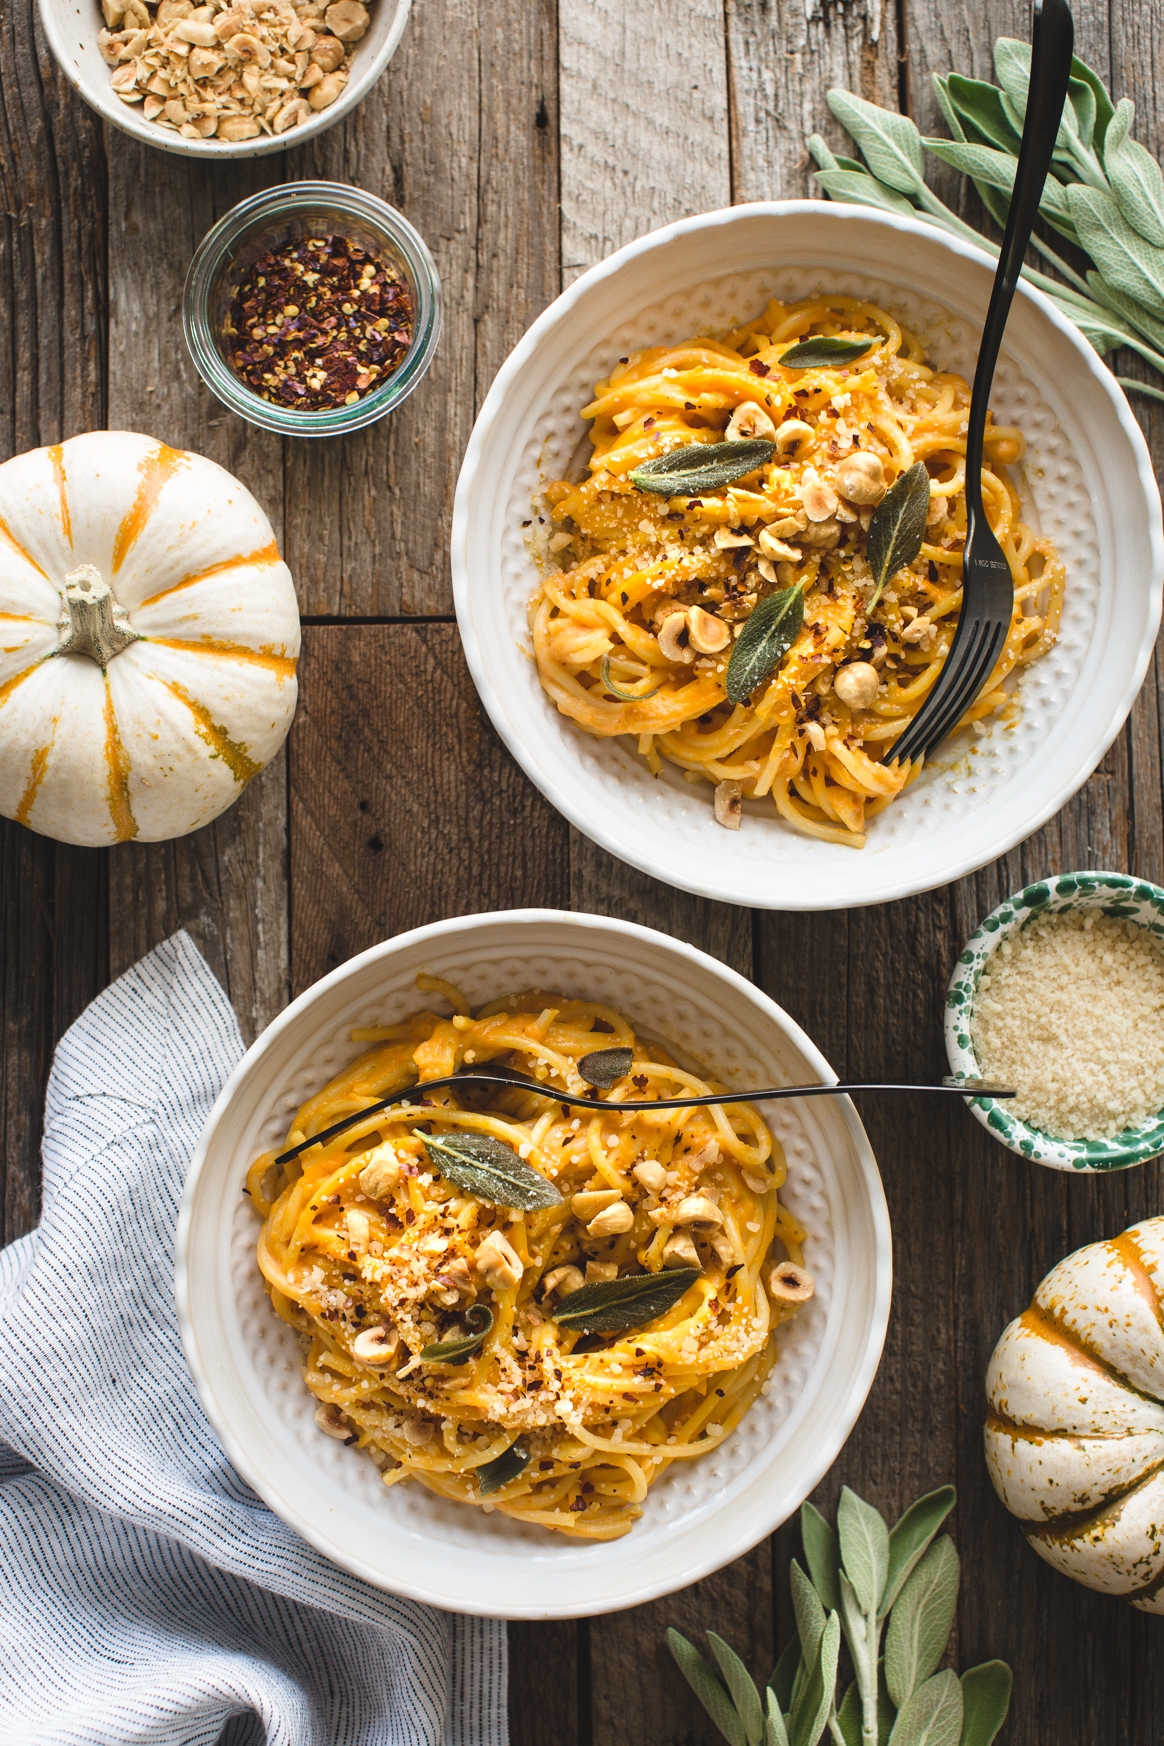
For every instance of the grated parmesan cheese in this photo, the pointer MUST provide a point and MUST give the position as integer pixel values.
(1070, 1011)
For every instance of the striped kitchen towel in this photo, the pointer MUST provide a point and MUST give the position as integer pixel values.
(146, 1594)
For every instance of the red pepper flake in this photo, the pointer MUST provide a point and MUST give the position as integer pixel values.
(759, 369)
(648, 423)
(318, 322)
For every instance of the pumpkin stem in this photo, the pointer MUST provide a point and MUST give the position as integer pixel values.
(92, 621)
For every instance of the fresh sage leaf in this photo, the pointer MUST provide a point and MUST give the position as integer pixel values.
(978, 107)
(810, 1615)
(605, 1067)
(614, 1305)
(707, 1688)
(505, 1468)
(741, 1688)
(1133, 312)
(810, 1715)
(891, 143)
(768, 634)
(1123, 257)
(861, 189)
(849, 1716)
(1103, 107)
(480, 1318)
(775, 1732)
(698, 467)
(896, 531)
(997, 170)
(985, 1701)
(617, 690)
(921, 1621)
(489, 1169)
(864, 1542)
(909, 1537)
(822, 1553)
(856, 1623)
(933, 1715)
(1134, 175)
(822, 350)
(782, 1678)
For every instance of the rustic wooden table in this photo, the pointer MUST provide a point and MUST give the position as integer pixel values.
(526, 140)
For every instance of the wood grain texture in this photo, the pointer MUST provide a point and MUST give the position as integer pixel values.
(460, 136)
(784, 56)
(643, 118)
(405, 807)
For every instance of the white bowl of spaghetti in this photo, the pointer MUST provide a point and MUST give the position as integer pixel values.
(600, 613)
(656, 1454)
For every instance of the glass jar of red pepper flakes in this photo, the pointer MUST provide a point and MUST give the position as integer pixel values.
(318, 322)
(312, 309)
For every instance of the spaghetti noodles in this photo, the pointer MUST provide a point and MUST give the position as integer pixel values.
(375, 1256)
(633, 632)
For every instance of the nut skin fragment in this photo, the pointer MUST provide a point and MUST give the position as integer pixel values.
(347, 19)
(788, 1283)
(498, 1263)
(857, 684)
(794, 439)
(705, 632)
(861, 478)
(729, 805)
(750, 420)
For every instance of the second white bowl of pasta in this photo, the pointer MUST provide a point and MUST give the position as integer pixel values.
(679, 586)
(509, 1355)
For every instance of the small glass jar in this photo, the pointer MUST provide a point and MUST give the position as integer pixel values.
(279, 215)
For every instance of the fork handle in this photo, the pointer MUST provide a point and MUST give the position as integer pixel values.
(1051, 49)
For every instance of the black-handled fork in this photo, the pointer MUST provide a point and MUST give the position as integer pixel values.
(508, 1077)
(987, 586)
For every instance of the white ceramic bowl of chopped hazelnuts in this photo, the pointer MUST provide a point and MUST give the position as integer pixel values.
(165, 71)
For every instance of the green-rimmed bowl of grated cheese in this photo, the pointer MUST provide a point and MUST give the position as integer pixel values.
(1120, 1063)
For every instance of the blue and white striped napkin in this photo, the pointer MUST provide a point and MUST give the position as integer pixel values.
(146, 1594)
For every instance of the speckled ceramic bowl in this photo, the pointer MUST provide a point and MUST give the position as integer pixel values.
(1116, 894)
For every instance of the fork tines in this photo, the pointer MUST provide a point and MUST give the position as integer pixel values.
(974, 660)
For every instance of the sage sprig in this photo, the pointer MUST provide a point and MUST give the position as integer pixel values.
(768, 634)
(480, 1319)
(616, 690)
(615, 1305)
(898, 527)
(825, 351)
(860, 1575)
(507, 1466)
(1105, 192)
(490, 1169)
(696, 467)
(605, 1067)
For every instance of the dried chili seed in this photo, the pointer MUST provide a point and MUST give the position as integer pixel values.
(318, 322)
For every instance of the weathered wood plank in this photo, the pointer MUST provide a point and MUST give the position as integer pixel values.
(784, 56)
(644, 121)
(544, 1698)
(605, 886)
(405, 807)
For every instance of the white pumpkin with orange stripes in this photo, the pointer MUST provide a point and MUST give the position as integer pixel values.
(1075, 1435)
(148, 640)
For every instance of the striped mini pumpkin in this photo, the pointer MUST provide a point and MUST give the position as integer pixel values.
(148, 640)
(1075, 1435)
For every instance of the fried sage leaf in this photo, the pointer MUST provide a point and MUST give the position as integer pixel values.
(898, 528)
(618, 1304)
(605, 1067)
(770, 632)
(617, 690)
(480, 1319)
(489, 1169)
(823, 350)
(700, 467)
(497, 1473)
